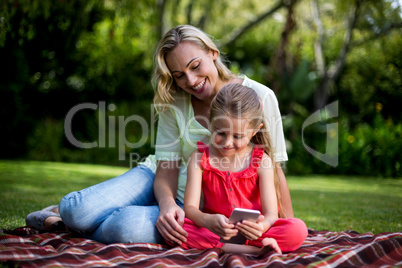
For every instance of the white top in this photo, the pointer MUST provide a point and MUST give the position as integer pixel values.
(179, 131)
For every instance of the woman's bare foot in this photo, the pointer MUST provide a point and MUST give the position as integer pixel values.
(56, 210)
(52, 219)
(44, 218)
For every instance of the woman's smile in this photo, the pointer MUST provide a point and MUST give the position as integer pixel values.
(200, 87)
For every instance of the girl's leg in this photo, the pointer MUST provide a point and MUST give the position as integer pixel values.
(198, 237)
(288, 233)
(84, 211)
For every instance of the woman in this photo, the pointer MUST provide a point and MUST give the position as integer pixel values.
(188, 74)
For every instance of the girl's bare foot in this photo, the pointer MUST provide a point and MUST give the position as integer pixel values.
(269, 245)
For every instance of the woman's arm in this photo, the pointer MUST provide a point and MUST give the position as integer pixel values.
(171, 216)
(285, 194)
(275, 128)
(192, 194)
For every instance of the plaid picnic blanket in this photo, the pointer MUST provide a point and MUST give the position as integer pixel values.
(26, 247)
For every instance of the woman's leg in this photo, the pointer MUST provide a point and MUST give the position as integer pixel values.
(131, 224)
(84, 211)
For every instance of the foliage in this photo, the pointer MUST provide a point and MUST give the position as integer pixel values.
(38, 57)
(324, 203)
(60, 54)
(371, 150)
(372, 78)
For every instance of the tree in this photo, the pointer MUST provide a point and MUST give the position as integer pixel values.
(330, 73)
(37, 51)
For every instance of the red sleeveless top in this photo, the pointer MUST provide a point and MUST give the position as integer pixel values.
(225, 190)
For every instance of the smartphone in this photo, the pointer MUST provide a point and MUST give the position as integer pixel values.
(240, 214)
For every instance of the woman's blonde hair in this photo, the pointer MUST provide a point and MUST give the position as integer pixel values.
(238, 101)
(163, 80)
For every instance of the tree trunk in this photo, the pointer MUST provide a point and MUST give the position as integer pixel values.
(161, 26)
(278, 70)
(190, 12)
(331, 74)
(319, 53)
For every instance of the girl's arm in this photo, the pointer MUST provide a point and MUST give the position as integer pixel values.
(171, 216)
(216, 223)
(269, 202)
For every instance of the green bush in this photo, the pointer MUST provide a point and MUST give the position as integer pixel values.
(372, 150)
(49, 141)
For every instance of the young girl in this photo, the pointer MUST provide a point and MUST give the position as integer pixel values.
(237, 170)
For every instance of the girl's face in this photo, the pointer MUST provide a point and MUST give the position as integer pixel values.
(194, 70)
(231, 136)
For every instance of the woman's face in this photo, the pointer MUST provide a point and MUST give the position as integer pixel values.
(194, 70)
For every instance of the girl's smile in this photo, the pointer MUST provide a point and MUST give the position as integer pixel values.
(231, 135)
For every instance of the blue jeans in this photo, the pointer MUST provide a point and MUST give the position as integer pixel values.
(119, 210)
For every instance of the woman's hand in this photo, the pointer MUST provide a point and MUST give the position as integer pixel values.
(171, 217)
(252, 230)
(219, 224)
(170, 223)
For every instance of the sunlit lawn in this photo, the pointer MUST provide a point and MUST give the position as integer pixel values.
(339, 203)
(335, 203)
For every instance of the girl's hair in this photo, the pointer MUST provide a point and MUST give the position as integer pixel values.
(163, 80)
(238, 101)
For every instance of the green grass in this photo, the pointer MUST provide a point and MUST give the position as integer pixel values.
(27, 186)
(340, 203)
(335, 203)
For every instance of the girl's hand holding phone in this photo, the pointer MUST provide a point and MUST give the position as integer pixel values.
(251, 230)
(219, 224)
